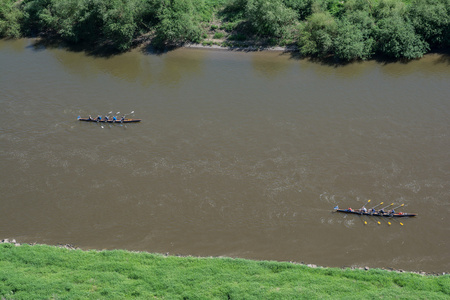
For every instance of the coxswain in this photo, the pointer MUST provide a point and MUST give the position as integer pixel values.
(349, 209)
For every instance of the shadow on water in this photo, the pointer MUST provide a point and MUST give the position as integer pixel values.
(332, 61)
(98, 50)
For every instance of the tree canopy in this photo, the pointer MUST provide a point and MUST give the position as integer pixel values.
(347, 29)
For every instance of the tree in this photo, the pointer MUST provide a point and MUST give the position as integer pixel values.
(10, 19)
(316, 35)
(351, 42)
(397, 39)
(178, 23)
(269, 17)
(303, 8)
(431, 19)
(119, 25)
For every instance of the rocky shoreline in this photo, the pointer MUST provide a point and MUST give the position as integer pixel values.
(73, 247)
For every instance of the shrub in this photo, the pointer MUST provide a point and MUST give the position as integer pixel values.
(269, 17)
(10, 19)
(397, 38)
(316, 36)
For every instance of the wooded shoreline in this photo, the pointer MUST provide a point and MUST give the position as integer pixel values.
(345, 29)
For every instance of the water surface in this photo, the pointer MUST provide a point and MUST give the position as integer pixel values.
(238, 154)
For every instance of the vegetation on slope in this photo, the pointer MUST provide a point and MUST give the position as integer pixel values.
(347, 29)
(44, 272)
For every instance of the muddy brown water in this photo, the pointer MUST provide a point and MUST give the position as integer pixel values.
(238, 154)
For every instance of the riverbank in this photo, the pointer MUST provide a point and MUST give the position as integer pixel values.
(42, 271)
(344, 29)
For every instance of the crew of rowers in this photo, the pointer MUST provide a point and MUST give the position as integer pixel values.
(372, 211)
(106, 119)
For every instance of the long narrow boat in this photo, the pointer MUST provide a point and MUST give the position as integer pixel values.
(110, 121)
(376, 214)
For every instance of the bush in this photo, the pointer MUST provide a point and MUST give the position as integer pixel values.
(397, 38)
(316, 36)
(269, 17)
(178, 23)
(350, 42)
(10, 19)
(431, 19)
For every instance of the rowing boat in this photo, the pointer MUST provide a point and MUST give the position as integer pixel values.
(376, 214)
(110, 121)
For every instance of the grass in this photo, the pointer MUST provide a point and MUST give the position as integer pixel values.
(47, 272)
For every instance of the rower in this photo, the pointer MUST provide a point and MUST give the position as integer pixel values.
(114, 119)
(106, 118)
(372, 211)
(122, 119)
(90, 118)
(99, 118)
(392, 212)
(381, 212)
(363, 209)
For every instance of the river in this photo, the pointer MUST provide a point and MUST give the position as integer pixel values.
(239, 154)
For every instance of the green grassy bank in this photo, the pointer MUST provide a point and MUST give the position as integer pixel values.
(48, 272)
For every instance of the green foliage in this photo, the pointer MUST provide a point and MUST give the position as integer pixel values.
(119, 24)
(354, 36)
(178, 23)
(317, 34)
(389, 8)
(348, 29)
(238, 37)
(350, 42)
(218, 35)
(304, 8)
(10, 19)
(269, 17)
(43, 272)
(397, 39)
(431, 19)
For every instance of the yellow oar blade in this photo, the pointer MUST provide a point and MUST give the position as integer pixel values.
(381, 203)
(401, 223)
(365, 222)
(379, 223)
(389, 223)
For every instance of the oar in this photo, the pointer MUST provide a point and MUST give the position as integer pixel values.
(377, 205)
(397, 221)
(387, 206)
(399, 206)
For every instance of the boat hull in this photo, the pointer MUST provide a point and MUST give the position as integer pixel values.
(386, 215)
(109, 121)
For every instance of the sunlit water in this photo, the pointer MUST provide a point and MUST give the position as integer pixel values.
(238, 154)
